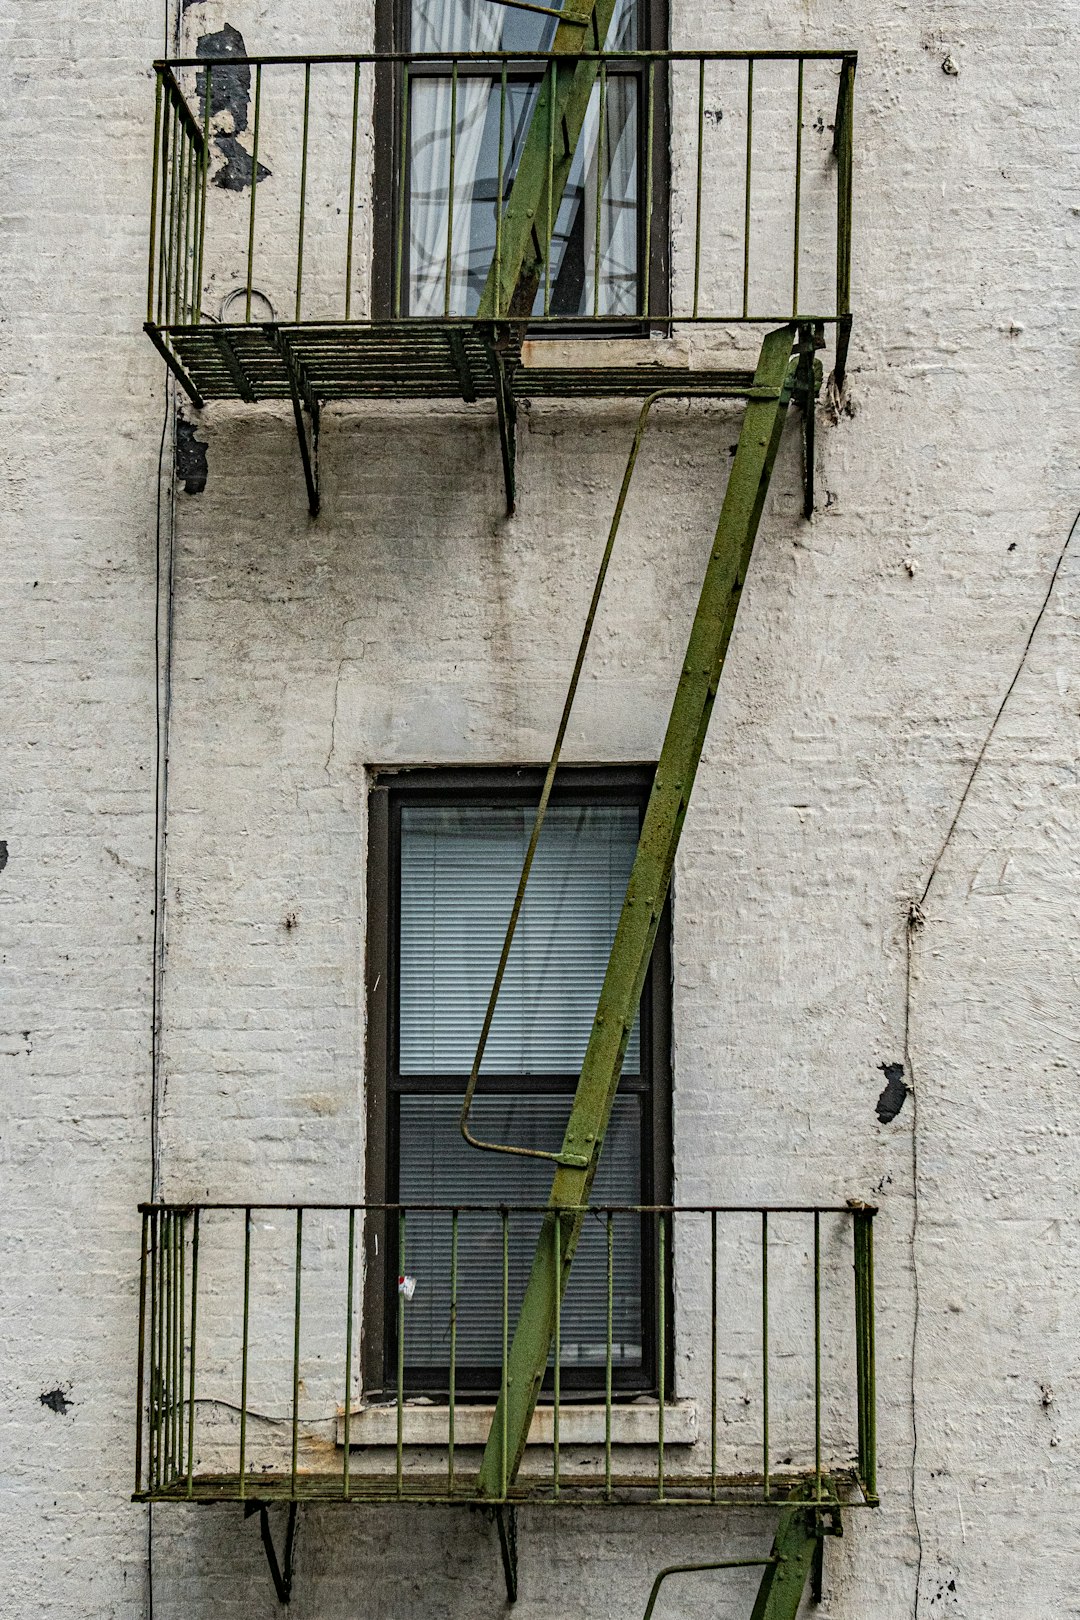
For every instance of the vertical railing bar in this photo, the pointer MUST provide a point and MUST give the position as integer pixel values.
(204, 172)
(608, 1351)
(860, 1384)
(448, 277)
(296, 1348)
(244, 1353)
(254, 189)
(189, 242)
(174, 212)
(167, 1277)
(155, 1380)
(184, 148)
(557, 1375)
(712, 1395)
(817, 1355)
(697, 189)
(162, 1362)
(599, 187)
(399, 1437)
(499, 195)
(871, 1361)
(650, 137)
(844, 133)
(661, 1357)
(749, 162)
(170, 1411)
(178, 1421)
(352, 192)
(140, 1376)
(452, 1415)
(504, 1438)
(162, 302)
(404, 169)
(191, 1361)
(765, 1351)
(798, 192)
(154, 182)
(551, 216)
(349, 1335)
(303, 188)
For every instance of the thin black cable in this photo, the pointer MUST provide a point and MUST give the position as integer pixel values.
(159, 888)
(916, 919)
(159, 830)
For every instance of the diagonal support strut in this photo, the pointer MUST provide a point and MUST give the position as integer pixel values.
(646, 892)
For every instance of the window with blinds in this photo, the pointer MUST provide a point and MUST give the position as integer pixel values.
(446, 859)
(460, 867)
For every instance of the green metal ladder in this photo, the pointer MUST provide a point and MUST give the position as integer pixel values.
(785, 367)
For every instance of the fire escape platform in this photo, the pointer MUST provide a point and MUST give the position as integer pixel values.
(414, 359)
(571, 1490)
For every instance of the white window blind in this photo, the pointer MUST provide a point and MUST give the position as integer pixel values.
(459, 870)
(438, 1166)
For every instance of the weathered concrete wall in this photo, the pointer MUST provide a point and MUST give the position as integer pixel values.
(411, 623)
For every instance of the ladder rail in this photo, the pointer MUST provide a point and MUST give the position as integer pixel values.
(646, 892)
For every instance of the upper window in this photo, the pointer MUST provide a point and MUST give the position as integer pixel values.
(460, 135)
(445, 858)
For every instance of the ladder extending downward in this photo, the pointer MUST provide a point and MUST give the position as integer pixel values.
(646, 891)
(524, 244)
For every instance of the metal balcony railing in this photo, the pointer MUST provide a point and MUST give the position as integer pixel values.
(294, 198)
(740, 1370)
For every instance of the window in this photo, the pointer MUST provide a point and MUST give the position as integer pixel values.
(445, 854)
(445, 212)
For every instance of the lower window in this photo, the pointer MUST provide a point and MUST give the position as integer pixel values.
(445, 854)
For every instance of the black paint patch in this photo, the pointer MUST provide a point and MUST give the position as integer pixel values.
(230, 103)
(894, 1096)
(191, 467)
(56, 1401)
(230, 86)
(235, 172)
(3, 853)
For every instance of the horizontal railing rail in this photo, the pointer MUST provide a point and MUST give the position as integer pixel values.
(710, 186)
(349, 1352)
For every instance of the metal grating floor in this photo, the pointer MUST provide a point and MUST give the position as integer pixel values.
(577, 1490)
(400, 360)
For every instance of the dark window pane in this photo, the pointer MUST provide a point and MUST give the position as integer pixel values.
(438, 1166)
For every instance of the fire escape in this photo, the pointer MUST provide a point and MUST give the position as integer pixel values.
(757, 195)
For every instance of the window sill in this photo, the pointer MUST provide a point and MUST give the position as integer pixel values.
(632, 1424)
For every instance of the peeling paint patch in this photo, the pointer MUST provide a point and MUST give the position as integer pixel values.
(191, 465)
(230, 102)
(894, 1096)
(235, 173)
(56, 1401)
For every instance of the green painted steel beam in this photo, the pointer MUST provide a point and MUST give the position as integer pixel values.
(795, 1546)
(646, 893)
(527, 224)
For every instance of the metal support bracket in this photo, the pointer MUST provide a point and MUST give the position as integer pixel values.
(303, 401)
(506, 1520)
(808, 378)
(506, 406)
(280, 1573)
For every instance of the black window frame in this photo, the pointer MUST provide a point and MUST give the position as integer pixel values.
(498, 786)
(392, 31)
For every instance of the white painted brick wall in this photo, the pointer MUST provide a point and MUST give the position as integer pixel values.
(411, 623)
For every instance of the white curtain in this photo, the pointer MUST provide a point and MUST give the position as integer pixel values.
(615, 290)
(446, 25)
